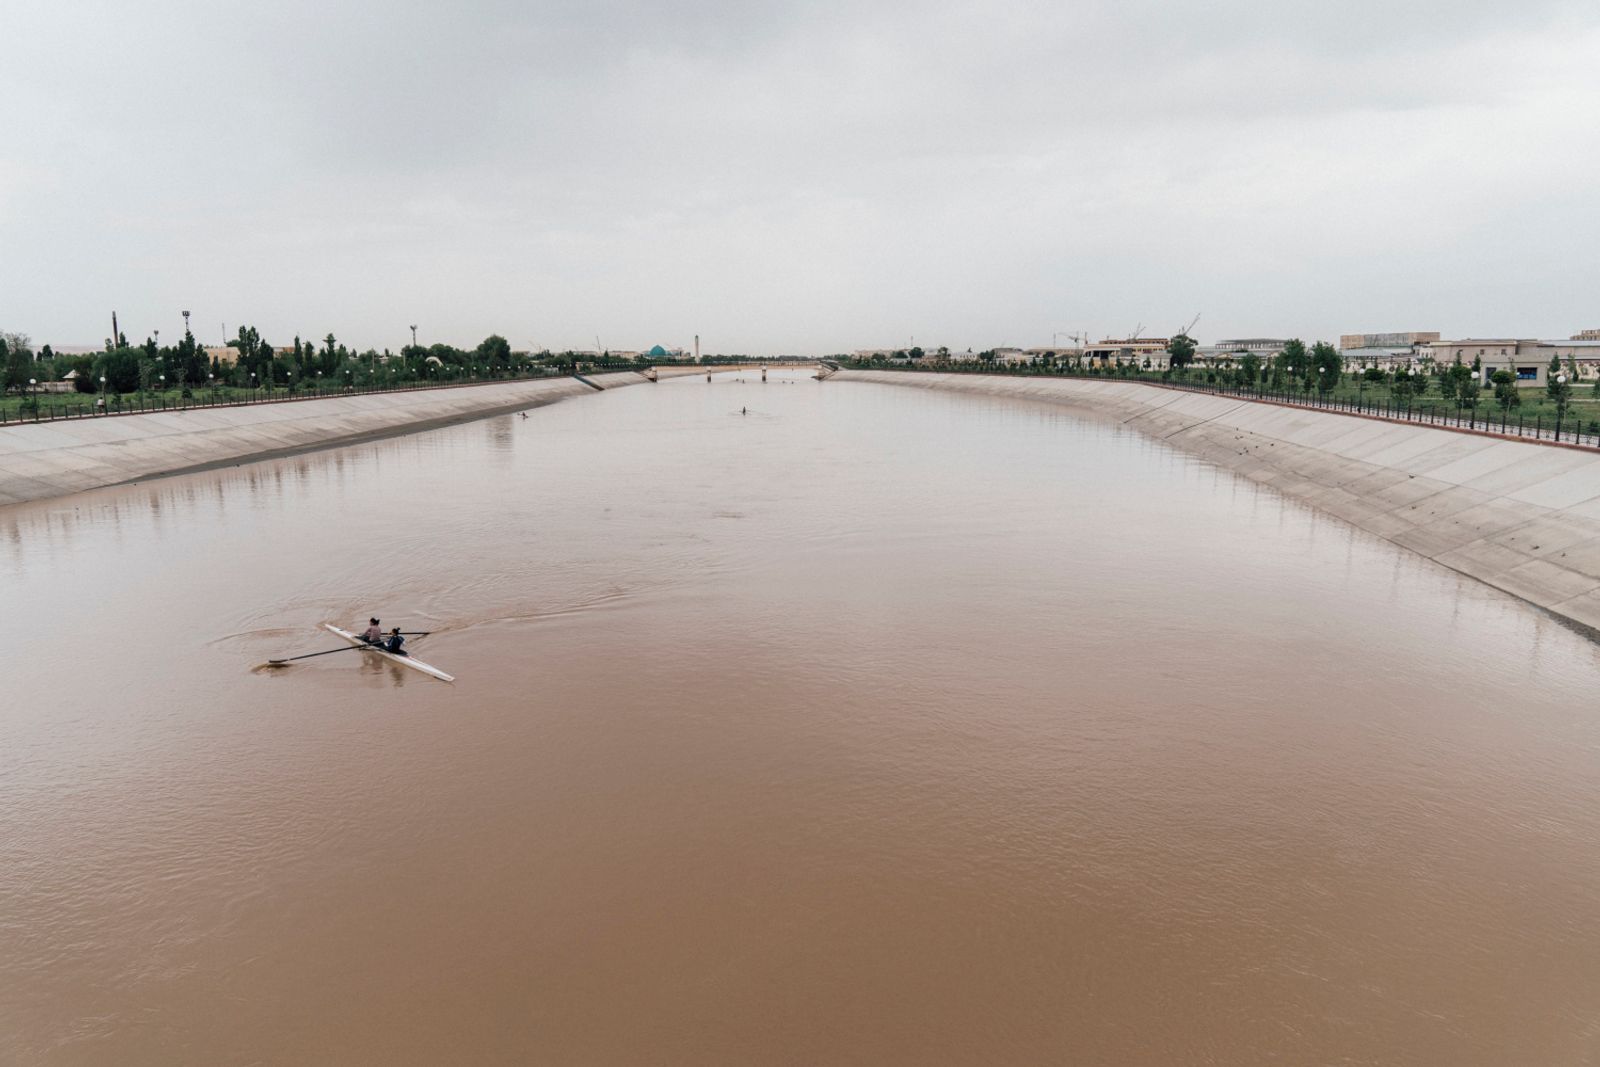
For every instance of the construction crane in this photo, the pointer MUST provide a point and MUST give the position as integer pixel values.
(1185, 331)
(1137, 330)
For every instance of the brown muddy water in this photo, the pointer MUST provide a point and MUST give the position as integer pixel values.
(871, 727)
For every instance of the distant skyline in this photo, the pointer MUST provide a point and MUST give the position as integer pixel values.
(784, 177)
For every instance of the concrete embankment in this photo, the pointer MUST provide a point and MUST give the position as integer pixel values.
(1522, 517)
(39, 460)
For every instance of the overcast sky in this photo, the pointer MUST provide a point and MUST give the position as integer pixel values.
(798, 177)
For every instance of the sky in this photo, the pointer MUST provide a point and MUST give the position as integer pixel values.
(786, 177)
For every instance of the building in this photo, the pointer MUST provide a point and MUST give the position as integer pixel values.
(1383, 358)
(1528, 358)
(1142, 352)
(1059, 355)
(1265, 347)
(1586, 335)
(227, 355)
(1387, 340)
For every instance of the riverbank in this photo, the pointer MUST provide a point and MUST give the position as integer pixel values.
(1521, 517)
(51, 459)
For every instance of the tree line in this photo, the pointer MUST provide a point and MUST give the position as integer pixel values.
(328, 363)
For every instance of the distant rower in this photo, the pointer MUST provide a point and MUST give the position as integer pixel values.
(394, 642)
(373, 633)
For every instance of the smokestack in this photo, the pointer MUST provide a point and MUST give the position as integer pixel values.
(697, 348)
(116, 338)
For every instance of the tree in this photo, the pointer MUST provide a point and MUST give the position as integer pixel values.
(916, 353)
(1405, 386)
(1249, 369)
(1468, 389)
(1327, 365)
(495, 352)
(1278, 371)
(1180, 351)
(1505, 389)
(1296, 364)
(1552, 383)
(1560, 392)
(120, 368)
(1451, 380)
(16, 361)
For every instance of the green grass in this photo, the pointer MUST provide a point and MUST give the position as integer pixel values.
(1534, 407)
(14, 407)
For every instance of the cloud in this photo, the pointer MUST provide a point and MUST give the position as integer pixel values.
(782, 176)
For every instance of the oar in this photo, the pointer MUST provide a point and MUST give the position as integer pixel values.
(348, 648)
(311, 655)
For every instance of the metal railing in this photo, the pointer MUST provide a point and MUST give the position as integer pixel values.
(1566, 430)
(96, 405)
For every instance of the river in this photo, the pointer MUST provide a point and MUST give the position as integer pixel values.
(869, 726)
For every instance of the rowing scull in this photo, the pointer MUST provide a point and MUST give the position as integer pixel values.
(405, 661)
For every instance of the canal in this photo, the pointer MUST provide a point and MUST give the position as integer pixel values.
(795, 722)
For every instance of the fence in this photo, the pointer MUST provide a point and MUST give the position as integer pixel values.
(102, 406)
(1463, 417)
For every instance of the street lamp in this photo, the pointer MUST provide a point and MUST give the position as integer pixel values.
(185, 322)
(1561, 401)
(212, 378)
(102, 392)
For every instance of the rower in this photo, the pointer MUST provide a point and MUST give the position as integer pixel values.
(394, 642)
(373, 633)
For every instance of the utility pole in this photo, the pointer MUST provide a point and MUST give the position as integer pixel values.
(413, 335)
(186, 324)
(116, 338)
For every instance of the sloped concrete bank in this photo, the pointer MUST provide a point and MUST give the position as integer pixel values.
(1522, 517)
(55, 458)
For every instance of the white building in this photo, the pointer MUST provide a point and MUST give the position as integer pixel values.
(1139, 351)
(1528, 358)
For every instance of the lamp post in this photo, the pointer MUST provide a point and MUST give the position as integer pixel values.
(33, 385)
(212, 378)
(413, 335)
(102, 393)
(252, 385)
(1561, 401)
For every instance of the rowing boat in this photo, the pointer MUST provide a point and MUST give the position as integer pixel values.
(405, 661)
